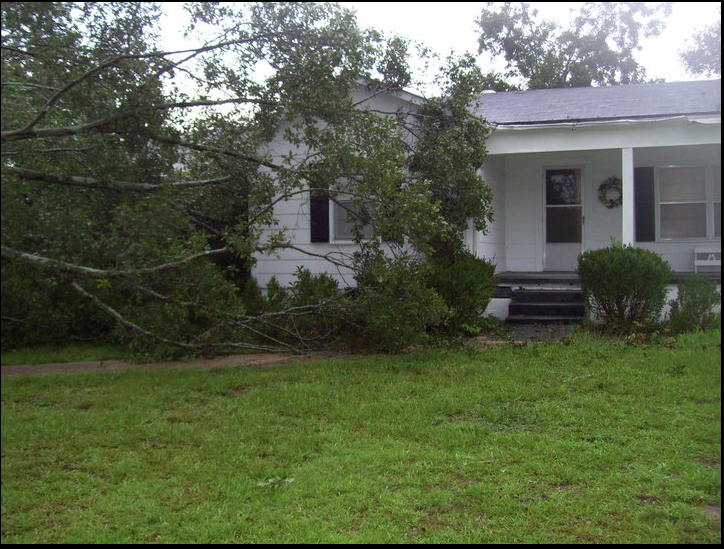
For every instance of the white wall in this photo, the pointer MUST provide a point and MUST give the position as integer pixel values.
(525, 200)
(491, 244)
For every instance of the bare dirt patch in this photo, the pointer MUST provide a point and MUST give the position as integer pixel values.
(239, 361)
(713, 511)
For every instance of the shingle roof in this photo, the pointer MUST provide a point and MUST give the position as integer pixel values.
(604, 103)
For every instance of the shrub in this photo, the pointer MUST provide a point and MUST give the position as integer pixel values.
(393, 306)
(623, 285)
(309, 289)
(312, 313)
(466, 284)
(693, 309)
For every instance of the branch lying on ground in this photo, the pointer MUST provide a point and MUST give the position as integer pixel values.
(138, 329)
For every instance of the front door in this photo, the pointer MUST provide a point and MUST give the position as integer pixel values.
(563, 219)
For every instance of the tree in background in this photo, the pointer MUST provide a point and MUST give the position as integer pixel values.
(704, 56)
(138, 184)
(596, 49)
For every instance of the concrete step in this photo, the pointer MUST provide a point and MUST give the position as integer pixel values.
(525, 319)
(547, 296)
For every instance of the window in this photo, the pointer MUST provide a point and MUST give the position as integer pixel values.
(687, 204)
(350, 215)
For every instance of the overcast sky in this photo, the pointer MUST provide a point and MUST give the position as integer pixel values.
(446, 26)
(451, 25)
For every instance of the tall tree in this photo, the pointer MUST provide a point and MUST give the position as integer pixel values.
(704, 55)
(597, 48)
(128, 169)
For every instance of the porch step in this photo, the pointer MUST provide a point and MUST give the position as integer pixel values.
(543, 319)
(542, 306)
(547, 296)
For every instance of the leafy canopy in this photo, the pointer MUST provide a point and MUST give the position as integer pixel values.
(597, 48)
(139, 185)
(704, 55)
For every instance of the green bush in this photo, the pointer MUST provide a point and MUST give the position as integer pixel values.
(393, 306)
(693, 309)
(311, 312)
(623, 285)
(309, 289)
(466, 283)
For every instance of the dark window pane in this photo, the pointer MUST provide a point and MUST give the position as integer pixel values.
(717, 219)
(563, 187)
(683, 220)
(563, 225)
(319, 217)
(644, 204)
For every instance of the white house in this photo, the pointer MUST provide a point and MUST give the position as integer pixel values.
(555, 158)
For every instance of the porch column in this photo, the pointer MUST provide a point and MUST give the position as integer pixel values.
(627, 205)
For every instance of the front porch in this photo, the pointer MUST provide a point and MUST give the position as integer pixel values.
(549, 209)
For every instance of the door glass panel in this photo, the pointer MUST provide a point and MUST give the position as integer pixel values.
(563, 187)
(563, 225)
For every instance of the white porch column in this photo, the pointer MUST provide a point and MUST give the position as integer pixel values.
(627, 206)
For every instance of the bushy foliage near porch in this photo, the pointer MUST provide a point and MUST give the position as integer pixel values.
(624, 286)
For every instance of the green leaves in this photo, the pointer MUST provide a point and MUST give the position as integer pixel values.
(596, 49)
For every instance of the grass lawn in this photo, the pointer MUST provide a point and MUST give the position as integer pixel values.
(581, 441)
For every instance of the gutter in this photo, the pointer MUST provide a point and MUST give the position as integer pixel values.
(573, 124)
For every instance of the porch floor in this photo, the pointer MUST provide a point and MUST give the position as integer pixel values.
(571, 278)
(545, 277)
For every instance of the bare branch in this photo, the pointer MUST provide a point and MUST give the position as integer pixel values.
(136, 328)
(91, 272)
(215, 150)
(127, 323)
(29, 132)
(119, 186)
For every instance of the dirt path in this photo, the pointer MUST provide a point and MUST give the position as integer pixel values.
(519, 335)
(121, 365)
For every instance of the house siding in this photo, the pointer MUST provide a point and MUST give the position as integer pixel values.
(491, 244)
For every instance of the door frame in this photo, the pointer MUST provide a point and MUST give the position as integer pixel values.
(544, 201)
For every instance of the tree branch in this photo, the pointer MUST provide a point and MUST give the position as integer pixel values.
(216, 150)
(118, 186)
(136, 328)
(91, 272)
(28, 132)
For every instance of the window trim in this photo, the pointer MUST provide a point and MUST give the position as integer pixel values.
(708, 203)
(714, 202)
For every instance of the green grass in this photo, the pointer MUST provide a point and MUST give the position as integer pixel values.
(46, 354)
(584, 441)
